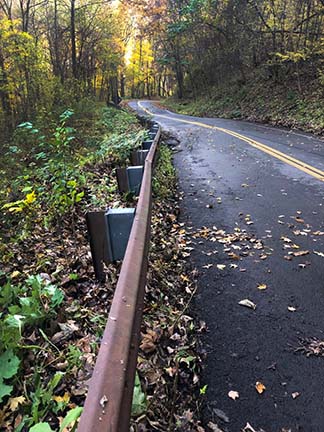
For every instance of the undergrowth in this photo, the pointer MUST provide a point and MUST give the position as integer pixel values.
(51, 311)
(259, 100)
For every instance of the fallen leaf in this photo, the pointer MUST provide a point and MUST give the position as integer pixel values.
(260, 387)
(184, 278)
(233, 394)
(262, 286)
(221, 415)
(233, 256)
(286, 239)
(299, 220)
(15, 402)
(248, 428)
(247, 303)
(65, 398)
(300, 253)
(213, 426)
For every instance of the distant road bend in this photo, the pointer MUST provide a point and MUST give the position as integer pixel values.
(253, 198)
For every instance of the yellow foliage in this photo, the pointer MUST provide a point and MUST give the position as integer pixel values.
(65, 398)
(30, 198)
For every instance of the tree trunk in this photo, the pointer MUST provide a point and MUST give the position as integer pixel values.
(73, 42)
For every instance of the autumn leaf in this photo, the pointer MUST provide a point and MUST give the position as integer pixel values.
(233, 394)
(299, 220)
(63, 399)
(233, 256)
(184, 278)
(214, 427)
(262, 286)
(15, 402)
(260, 388)
(247, 303)
(300, 253)
(30, 198)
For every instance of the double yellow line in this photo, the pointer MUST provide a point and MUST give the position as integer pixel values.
(296, 163)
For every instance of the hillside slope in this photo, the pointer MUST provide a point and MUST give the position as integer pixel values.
(259, 101)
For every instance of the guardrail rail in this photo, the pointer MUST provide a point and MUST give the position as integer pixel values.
(108, 404)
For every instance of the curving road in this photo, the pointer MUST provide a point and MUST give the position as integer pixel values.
(260, 193)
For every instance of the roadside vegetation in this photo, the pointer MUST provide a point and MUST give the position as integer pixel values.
(52, 310)
(258, 101)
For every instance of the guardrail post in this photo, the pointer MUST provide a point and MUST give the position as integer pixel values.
(130, 179)
(146, 145)
(135, 176)
(122, 180)
(138, 157)
(96, 224)
(119, 224)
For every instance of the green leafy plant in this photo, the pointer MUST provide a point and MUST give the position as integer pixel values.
(139, 403)
(73, 357)
(27, 304)
(42, 396)
(70, 420)
(9, 364)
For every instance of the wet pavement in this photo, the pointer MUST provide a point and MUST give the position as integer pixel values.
(258, 234)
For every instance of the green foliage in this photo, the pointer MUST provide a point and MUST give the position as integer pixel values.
(164, 180)
(28, 304)
(9, 364)
(73, 356)
(41, 427)
(139, 404)
(203, 390)
(42, 396)
(70, 420)
(55, 177)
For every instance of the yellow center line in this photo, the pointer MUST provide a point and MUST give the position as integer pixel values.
(296, 163)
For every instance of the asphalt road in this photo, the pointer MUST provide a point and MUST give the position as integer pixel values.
(264, 241)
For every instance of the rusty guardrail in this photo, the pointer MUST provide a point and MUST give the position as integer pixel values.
(108, 404)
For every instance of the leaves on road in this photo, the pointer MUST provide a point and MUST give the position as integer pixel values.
(260, 387)
(247, 303)
(233, 394)
(262, 287)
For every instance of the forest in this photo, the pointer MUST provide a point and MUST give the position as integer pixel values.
(53, 53)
